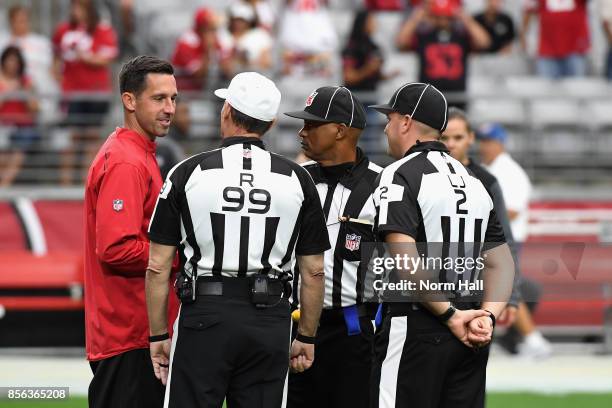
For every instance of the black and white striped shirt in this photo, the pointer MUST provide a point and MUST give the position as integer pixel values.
(432, 197)
(348, 193)
(239, 210)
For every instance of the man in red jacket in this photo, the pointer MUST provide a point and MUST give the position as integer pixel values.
(122, 188)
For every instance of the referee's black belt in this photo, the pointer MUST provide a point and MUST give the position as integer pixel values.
(336, 315)
(234, 287)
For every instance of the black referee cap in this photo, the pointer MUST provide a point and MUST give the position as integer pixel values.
(333, 104)
(423, 102)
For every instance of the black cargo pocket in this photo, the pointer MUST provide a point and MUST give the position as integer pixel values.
(200, 322)
(434, 338)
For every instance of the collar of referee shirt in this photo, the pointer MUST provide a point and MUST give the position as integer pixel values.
(232, 140)
(352, 176)
(430, 145)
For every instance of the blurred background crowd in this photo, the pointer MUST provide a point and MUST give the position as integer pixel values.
(540, 68)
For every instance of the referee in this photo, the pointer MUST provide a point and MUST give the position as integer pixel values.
(240, 215)
(345, 179)
(430, 354)
(458, 137)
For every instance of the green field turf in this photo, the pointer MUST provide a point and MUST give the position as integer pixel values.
(494, 400)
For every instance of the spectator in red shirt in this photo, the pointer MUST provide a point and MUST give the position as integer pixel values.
(122, 188)
(564, 36)
(195, 51)
(85, 47)
(443, 36)
(17, 113)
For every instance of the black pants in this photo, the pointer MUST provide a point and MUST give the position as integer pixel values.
(419, 363)
(340, 374)
(224, 347)
(125, 381)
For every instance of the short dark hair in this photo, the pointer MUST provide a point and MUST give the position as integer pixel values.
(456, 113)
(12, 50)
(133, 75)
(249, 123)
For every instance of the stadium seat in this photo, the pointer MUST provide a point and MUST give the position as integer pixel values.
(598, 114)
(498, 65)
(478, 86)
(387, 27)
(203, 110)
(529, 86)
(587, 87)
(547, 113)
(406, 63)
(508, 112)
(342, 21)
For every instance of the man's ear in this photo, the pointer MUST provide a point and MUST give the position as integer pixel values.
(342, 130)
(129, 101)
(225, 111)
(406, 123)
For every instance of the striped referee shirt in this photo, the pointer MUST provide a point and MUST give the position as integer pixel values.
(432, 197)
(239, 210)
(349, 195)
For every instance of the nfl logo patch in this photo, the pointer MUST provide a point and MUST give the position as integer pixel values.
(311, 98)
(352, 242)
(246, 153)
(117, 205)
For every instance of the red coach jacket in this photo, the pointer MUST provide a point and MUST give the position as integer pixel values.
(122, 188)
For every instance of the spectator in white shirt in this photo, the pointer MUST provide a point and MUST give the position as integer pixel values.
(308, 39)
(513, 180)
(516, 189)
(35, 48)
(244, 45)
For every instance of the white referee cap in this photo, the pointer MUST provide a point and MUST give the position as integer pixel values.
(252, 94)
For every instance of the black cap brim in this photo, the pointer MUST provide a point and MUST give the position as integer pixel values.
(384, 108)
(306, 116)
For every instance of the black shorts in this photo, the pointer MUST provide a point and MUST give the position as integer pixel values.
(125, 380)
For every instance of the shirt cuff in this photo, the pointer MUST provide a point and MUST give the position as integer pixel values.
(389, 228)
(163, 239)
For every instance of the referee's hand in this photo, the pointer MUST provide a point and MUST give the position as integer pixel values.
(301, 356)
(459, 322)
(160, 357)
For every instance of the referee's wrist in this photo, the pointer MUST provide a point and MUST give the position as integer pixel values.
(159, 337)
(306, 333)
(306, 339)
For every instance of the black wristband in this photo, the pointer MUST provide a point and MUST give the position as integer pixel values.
(443, 318)
(492, 316)
(305, 339)
(160, 337)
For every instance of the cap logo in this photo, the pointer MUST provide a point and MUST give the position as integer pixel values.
(310, 98)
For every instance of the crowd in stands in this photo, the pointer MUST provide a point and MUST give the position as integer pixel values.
(296, 41)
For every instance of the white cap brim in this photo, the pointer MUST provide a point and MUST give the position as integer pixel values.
(222, 93)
